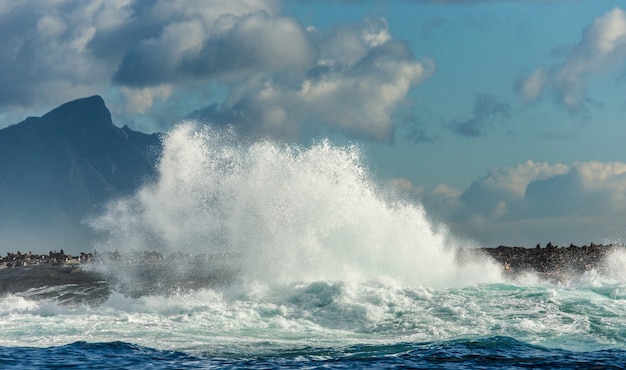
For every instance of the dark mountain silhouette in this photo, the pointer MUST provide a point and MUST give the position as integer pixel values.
(59, 169)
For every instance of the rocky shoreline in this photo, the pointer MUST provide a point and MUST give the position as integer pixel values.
(552, 262)
(20, 272)
(34, 273)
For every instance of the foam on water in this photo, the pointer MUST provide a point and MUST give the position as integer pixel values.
(304, 251)
(262, 319)
(280, 213)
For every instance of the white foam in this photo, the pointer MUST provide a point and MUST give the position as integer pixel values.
(326, 314)
(283, 213)
(322, 257)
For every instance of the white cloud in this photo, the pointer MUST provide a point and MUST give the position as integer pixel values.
(531, 87)
(515, 179)
(355, 86)
(43, 46)
(274, 75)
(142, 99)
(51, 26)
(593, 186)
(357, 104)
(350, 43)
(606, 34)
(188, 50)
(535, 202)
(472, 2)
(602, 47)
(535, 189)
(443, 201)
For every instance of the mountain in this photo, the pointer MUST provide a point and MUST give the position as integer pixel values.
(58, 169)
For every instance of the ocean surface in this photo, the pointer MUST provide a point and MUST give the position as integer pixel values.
(293, 257)
(325, 325)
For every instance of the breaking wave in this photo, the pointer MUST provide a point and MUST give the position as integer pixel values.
(276, 214)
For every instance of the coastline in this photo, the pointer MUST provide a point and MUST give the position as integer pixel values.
(21, 272)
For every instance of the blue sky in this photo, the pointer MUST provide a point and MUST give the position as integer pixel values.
(505, 119)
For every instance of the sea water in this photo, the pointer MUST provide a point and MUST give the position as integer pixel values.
(303, 261)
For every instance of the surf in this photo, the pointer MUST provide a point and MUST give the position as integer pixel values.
(276, 213)
(246, 248)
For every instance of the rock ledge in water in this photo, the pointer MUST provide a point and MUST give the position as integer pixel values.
(154, 272)
(552, 262)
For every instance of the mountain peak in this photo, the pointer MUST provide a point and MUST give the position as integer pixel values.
(60, 168)
(91, 111)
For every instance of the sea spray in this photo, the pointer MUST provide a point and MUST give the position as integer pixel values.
(260, 254)
(279, 213)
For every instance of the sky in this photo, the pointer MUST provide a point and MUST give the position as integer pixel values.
(504, 119)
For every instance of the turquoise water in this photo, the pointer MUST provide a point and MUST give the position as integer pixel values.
(308, 262)
(325, 324)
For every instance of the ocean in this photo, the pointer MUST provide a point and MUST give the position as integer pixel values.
(325, 325)
(279, 256)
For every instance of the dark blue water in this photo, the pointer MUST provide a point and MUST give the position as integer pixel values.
(494, 352)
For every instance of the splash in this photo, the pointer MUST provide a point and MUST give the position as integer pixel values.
(278, 213)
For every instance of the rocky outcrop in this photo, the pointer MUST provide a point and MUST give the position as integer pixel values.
(53, 258)
(55, 275)
(551, 261)
(88, 277)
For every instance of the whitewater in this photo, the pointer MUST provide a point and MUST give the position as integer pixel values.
(295, 257)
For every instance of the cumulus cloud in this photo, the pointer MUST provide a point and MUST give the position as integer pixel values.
(602, 47)
(360, 76)
(274, 76)
(45, 54)
(534, 189)
(592, 187)
(53, 51)
(533, 202)
(505, 188)
(486, 108)
(186, 50)
(531, 87)
(473, 2)
(140, 100)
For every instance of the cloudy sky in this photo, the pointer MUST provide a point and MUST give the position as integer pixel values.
(505, 119)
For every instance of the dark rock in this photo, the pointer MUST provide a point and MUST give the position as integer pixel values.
(88, 278)
(551, 262)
